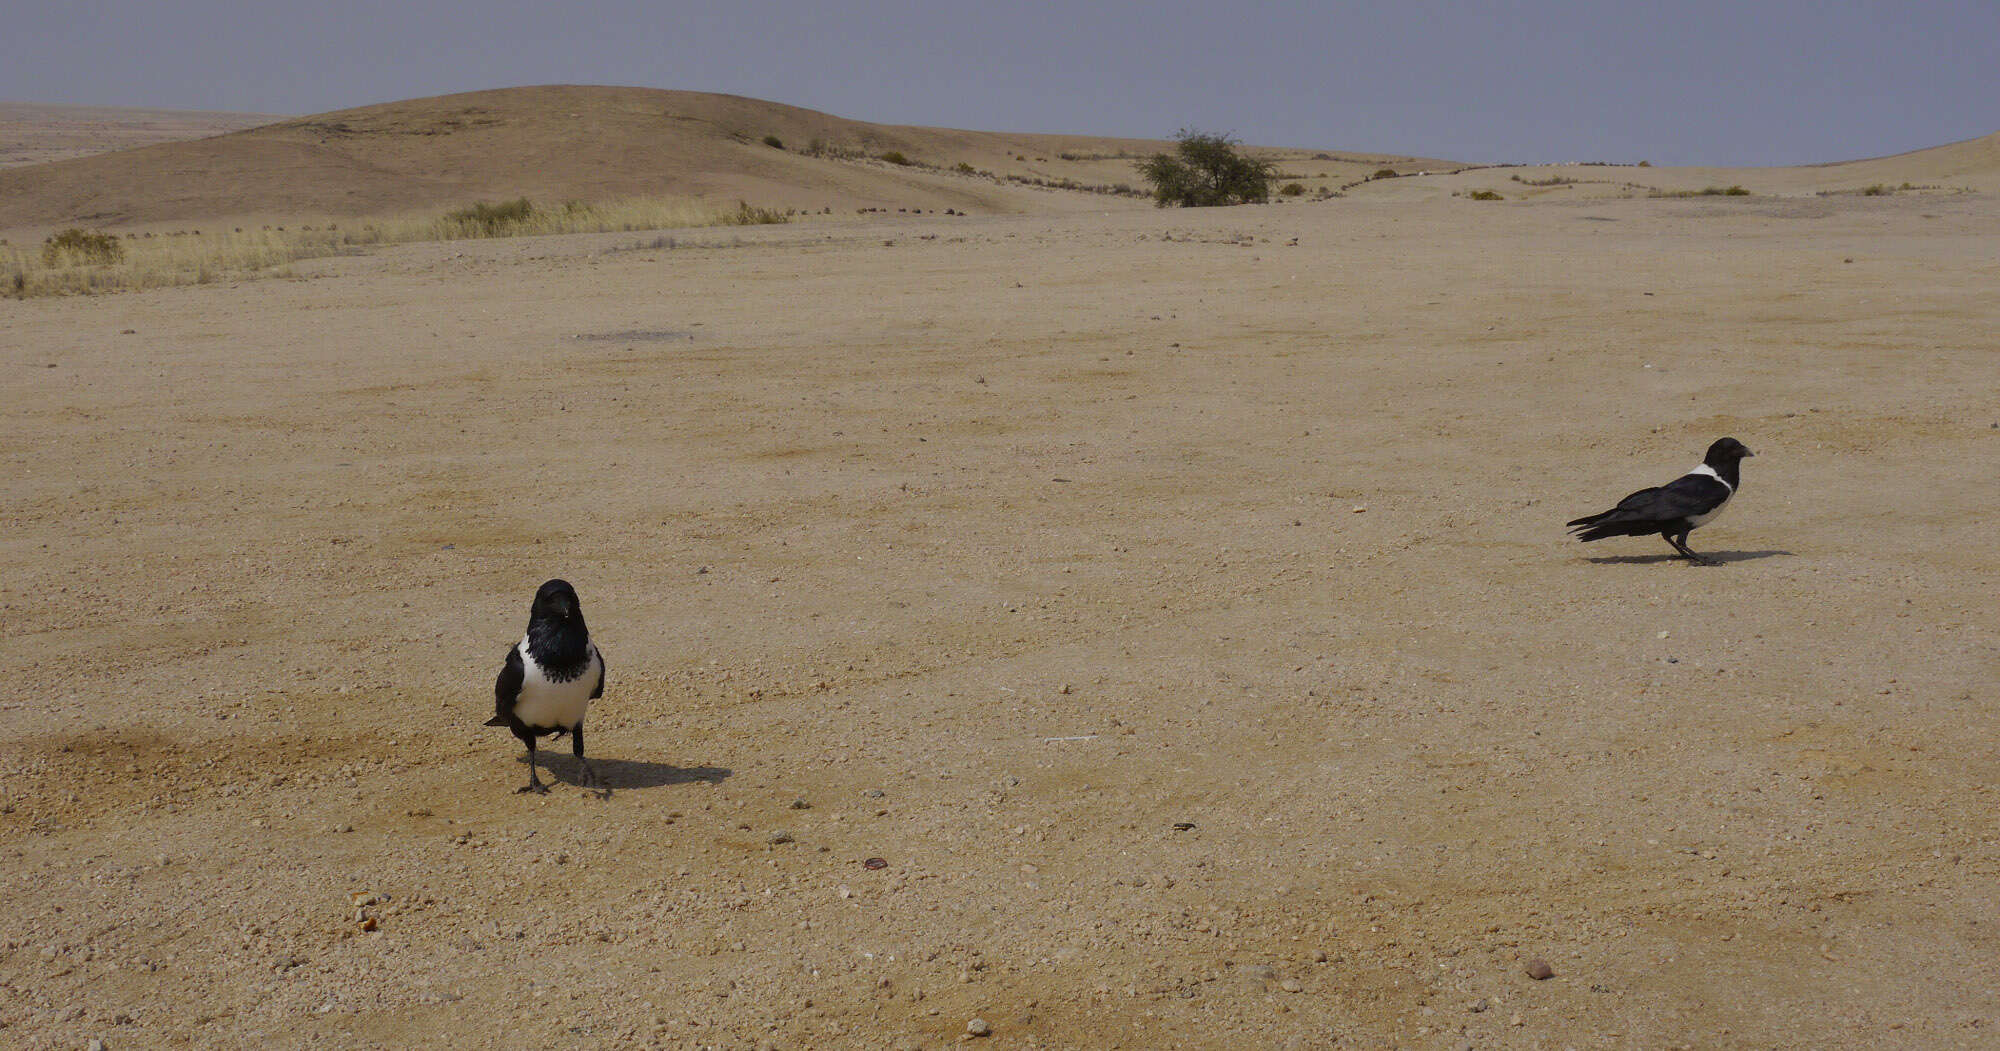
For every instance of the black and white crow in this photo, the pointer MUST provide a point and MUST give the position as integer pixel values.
(551, 676)
(1675, 509)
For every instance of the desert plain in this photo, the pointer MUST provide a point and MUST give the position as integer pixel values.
(1177, 601)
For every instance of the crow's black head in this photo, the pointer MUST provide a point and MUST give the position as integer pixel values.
(1725, 450)
(556, 601)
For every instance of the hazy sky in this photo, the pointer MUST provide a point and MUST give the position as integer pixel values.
(1694, 82)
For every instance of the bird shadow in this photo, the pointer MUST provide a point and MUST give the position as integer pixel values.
(1712, 556)
(627, 773)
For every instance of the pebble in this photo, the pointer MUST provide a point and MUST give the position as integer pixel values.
(94, 1045)
(1258, 972)
(1291, 985)
(1539, 970)
(874, 793)
(800, 804)
(781, 836)
(978, 1027)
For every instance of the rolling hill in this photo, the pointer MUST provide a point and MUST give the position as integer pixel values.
(590, 143)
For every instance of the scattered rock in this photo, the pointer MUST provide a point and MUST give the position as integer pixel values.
(875, 863)
(800, 804)
(1291, 985)
(780, 837)
(1261, 972)
(1539, 970)
(978, 1027)
(874, 793)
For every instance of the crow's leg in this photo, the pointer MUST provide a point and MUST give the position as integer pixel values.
(1681, 545)
(534, 784)
(589, 776)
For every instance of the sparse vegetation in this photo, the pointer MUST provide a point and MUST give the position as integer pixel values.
(1292, 189)
(78, 247)
(896, 157)
(965, 169)
(481, 219)
(1208, 171)
(1385, 173)
(1706, 191)
(774, 142)
(1553, 180)
(191, 257)
(1485, 195)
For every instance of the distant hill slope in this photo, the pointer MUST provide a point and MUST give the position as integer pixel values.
(36, 133)
(591, 143)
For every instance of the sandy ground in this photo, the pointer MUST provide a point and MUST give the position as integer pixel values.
(34, 133)
(1184, 614)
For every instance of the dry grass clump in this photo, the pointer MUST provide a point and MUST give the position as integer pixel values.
(76, 261)
(1706, 191)
(78, 247)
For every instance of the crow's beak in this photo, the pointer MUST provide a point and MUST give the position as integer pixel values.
(1747, 453)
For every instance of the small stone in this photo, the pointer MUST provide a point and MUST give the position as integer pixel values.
(1319, 956)
(874, 793)
(94, 1045)
(343, 828)
(780, 837)
(1291, 985)
(1258, 972)
(800, 804)
(978, 1027)
(1539, 970)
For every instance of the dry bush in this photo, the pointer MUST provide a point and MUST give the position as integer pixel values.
(78, 247)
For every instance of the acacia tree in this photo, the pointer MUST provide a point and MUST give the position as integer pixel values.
(1208, 172)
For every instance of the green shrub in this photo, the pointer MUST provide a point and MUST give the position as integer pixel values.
(1485, 195)
(774, 142)
(1292, 189)
(1207, 172)
(896, 157)
(1385, 173)
(965, 169)
(75, 247)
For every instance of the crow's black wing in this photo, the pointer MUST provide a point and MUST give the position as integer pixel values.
(507, 688)
(1686, 496)
(601, 668)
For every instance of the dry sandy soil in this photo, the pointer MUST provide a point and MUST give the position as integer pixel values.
(1177, 601)
(34, 133)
